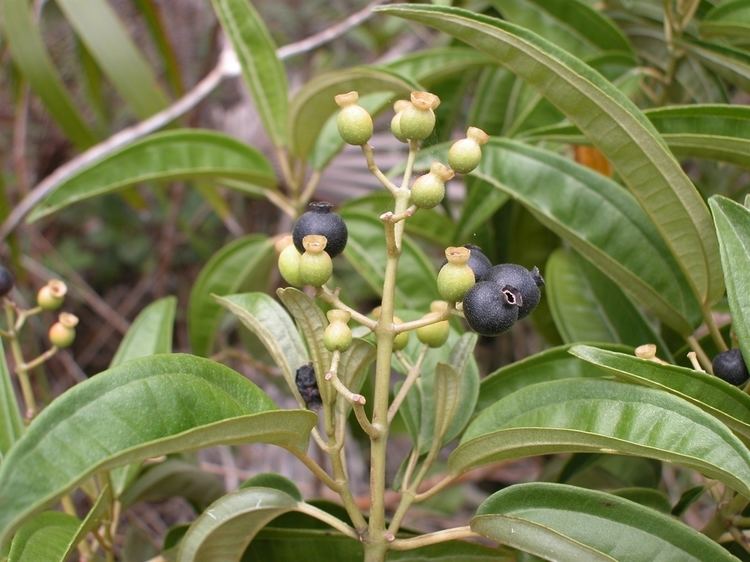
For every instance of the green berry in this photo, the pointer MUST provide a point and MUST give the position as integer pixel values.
(315, 265)
(464, 155)
(490, 309)
(455, 277)
(418, 119)
(428, 190)
(398, 107)
(321, 220)
(6, 281)
(401, 340)
(337, 335)
(435, 335)
(52, 295)
(289, 259)
(353, 121)
(729, 366)
(63, 332)
(527, 282)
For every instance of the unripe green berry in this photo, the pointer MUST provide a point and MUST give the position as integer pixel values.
(418, 119)
(401, 340)
(63, 332)
(6, 281)
(315, 265)
(289, 259)
(455, 277)
(435, 335)
(398, 107)
(337, 335)
(52, 295)
(464, 155)
(353, 121)
(428, 190)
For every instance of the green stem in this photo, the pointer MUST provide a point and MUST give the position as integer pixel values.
(714, 330)
(23, 374)
(456, 533)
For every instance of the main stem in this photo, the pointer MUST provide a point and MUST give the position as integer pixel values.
(376, 545)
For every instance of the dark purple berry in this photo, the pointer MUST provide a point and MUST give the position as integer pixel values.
(308, 386)
(527, 282)
(491, 310)
(321, 221)
(6, 281)
(478, 262)
(729, 366)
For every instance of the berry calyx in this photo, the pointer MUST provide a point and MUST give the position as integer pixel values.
(464, 155)
(52, 295)
(455, 277)
(353, 121)
(398, 108)
(320, 220)
(418, 119)
(337, 335)
(528, 283)
(729, 366)
(428, 190)
(315, 265)
(6, 281)
(479, 263)
(289, 259)
(63, 332)
(491, 310)
(435, 335)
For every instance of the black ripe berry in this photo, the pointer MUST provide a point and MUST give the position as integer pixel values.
(478, 262)
(491, 310)
(308, 386)
(6, 281)
(321, 221)
(730, 367)
(527, 282)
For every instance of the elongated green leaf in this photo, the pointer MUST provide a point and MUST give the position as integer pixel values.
(43, 538)
(244, 263)
(591, 415)
(311, 322)
(150, 333)
(572, 24)
(719, 132)
(188, 153)
(559, 522)
(146, 407)
(446, 398)
(612, 122)
(313, 104)
(108, 42)
(587, 306)
(263, 71)
(353, 370)
(175, 478)
(599, 219)
(26, 45)
(551, 364)
(275, 481)
(733, 228)
(91, 521)
(268, 320)
(724, 401)
(416, 286)
(729, 20)
(11, 423)
(731, 64)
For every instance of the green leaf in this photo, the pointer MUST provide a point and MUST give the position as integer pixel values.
(599, 219)
(244, 263)
(170, 155)
(559, 522)
(29, 53)
(45, 538)
(590, 415)
(724, 401)
(354, 367)
(729, 20)
(446, 398)
(146, 407)
(733, 228)
(175, 478)
(714, 131)
(11, 423)
(150, 333)
(549, 365)
(268, 320)
(731, 64)
(416, 286)
(313, 104)
(587, 306)
(108, 42)
(612, 122)
(311, 322)
(275, 481)
(263, 71)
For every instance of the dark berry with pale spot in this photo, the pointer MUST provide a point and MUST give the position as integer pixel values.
(527, 282)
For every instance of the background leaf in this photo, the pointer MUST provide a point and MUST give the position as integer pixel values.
(150, 333)
(11, 423)
(45, 537)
